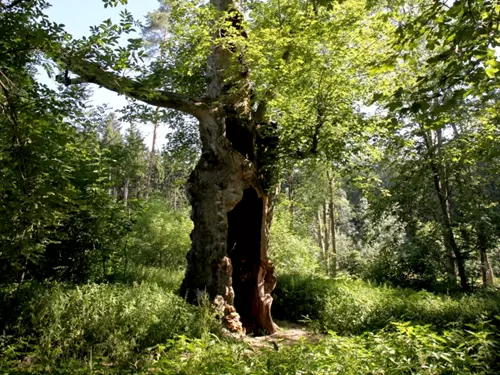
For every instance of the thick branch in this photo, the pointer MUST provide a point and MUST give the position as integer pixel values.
(90, 72)
(313, 150)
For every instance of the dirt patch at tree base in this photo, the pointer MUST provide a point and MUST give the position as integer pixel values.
(288, 334)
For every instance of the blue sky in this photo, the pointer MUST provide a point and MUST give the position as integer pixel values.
(78, 16)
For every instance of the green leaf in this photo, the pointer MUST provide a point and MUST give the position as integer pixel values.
(491, 71)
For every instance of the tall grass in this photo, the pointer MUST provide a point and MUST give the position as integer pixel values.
(116, 322)
(354, 306)
(141, 326)
(402, 349)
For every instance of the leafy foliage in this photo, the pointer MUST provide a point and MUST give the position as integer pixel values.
(383, 119)
(352, 307)
(292, 252)
(61, 322)
(160, 237)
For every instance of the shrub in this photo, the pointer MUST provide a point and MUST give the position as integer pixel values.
(160, 236)
(415, 261)
(401, 349)
(142, 329)
(168, 279)
(291, 252)
(350, 306)
(114, 321)
(298, 297)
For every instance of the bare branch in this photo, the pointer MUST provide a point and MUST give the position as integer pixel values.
(90, 72)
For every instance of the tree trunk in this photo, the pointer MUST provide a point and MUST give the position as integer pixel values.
(486, 269)
(231, 195)
(232, 216)
(152, 154)
(230, 189)
(125, 191)
(326, 254)
(454, 255)
(333, 228)
(319, 230)
(290, 197)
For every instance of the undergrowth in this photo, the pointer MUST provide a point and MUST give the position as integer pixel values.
(112, 321)
(397, 349)
(141, 326)
(349, 306)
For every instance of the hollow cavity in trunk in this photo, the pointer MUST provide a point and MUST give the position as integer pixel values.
(244, 246)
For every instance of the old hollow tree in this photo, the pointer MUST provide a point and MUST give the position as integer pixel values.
(230, 189)
(302, 63)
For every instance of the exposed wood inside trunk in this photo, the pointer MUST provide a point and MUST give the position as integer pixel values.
(232, 216)
(235, 165)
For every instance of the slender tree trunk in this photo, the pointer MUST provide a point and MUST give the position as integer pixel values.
(333, 227)
(23, 275)
(125, 191)
(333, 233)
(326, 237)
(319, 230)
(18, 153)
(454, 255)
(125, 260)
(486, 269)
(152, 154)
(290, 197)
(487, 274)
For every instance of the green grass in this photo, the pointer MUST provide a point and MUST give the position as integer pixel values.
(354, 306)
(141, 326)
(167, 279)
(56, 322)
(401, 349)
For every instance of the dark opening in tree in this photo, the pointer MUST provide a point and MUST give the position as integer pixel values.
(244, 244)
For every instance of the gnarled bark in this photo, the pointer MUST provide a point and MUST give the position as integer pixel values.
(229, 189)
(232, 216)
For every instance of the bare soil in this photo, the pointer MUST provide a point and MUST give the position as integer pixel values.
(288, 334)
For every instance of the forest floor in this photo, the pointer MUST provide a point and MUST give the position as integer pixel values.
(144, 327)
(288, 334)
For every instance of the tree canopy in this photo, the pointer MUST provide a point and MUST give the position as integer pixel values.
(329, 142)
